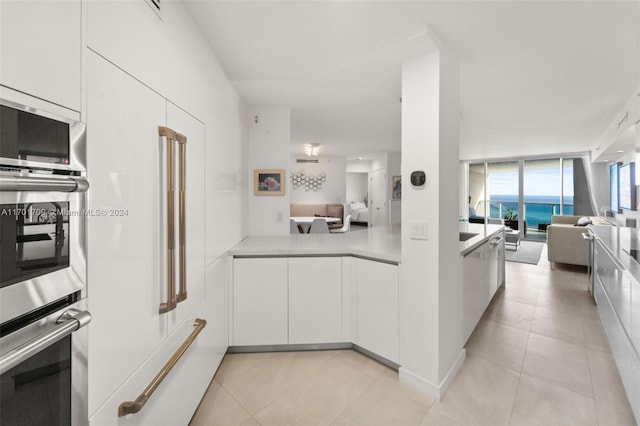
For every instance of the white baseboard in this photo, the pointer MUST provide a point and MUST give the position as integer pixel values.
(432, 390)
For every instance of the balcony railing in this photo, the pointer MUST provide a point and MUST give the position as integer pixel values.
(536, 214)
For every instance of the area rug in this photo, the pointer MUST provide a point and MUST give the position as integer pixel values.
(528, 252)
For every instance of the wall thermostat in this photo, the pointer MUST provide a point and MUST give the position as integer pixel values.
(418, 178)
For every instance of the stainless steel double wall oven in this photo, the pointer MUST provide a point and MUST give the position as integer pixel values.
(43, 306)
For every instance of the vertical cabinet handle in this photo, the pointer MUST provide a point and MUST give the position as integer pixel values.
(182, 207)
(171, 302)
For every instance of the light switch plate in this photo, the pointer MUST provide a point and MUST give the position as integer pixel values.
(419, 230)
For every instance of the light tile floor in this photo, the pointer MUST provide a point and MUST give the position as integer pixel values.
(539, 356)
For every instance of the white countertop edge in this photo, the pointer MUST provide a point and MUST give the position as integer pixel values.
(484, 233)
(381, 243)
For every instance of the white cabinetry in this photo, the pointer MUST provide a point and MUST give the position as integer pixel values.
(377, 308)
(125, 243)
(476, 287)
(615, 294)
(260, 301)
(40, 49)
(315, 300)
(287, 301)
(483, 275)
(178, 396)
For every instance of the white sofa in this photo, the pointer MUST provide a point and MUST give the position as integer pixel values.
(565, 243)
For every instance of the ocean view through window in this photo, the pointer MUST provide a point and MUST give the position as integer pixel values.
(524, 193)
(538, 208)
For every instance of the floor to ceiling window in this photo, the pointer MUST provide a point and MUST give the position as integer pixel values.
(496, 192)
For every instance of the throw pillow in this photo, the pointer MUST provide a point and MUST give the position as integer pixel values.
(583, 221)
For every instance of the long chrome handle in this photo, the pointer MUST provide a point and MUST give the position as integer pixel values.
(496, 241)
(132, 407)
(171, 302)
(182, 207)
(28, 183)
(70, 321)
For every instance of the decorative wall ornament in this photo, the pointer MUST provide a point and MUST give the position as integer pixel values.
(309, 182)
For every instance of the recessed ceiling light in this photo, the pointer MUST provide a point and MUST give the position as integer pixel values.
(620, 151)
(360, 158)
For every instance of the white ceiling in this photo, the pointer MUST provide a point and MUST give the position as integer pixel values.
(536, 77)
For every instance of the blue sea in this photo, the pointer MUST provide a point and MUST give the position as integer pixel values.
(539, 208)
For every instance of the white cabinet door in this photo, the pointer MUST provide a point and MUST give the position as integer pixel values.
(260, 302)
(315, 300)
(123, 242)
(40, 49)
(193, 129)
(177, 397)
(477, 286)
(377, 308)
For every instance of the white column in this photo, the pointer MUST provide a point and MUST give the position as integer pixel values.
(431, 348)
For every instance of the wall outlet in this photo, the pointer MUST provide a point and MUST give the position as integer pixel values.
(279, 217)
(419, 230)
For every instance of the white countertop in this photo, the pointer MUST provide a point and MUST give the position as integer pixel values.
(619, 241)
(483, 231)
(381, 243)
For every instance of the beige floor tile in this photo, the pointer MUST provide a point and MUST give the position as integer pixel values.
(561, 363)
(615, 415)
(235, 365)
(362, 363)
(499, 344)
(607, 385)
(219, 408)
(481, 394)
(564, 301)
(320, 400)
(551, 323)
(435, 417)
(260, 384)
(595, 336)
(515, 314)
(589, 311)
(250, 422)
(521, 276)
(521, 293)
(539, 402)
(386, 402)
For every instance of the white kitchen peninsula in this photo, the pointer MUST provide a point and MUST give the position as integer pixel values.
(483, 274)
(355, 280)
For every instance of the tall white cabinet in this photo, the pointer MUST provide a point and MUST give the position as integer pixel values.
(40, 49)
(129, 339)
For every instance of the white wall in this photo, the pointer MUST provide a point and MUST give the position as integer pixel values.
(357, 186)
(431, 292)
(171, 57)
(362, 166)
(269, 140)
(333, 190)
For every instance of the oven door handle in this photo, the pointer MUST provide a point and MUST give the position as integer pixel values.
(58, 184)
(70, 321)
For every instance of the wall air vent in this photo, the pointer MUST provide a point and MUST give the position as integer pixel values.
(307, 160)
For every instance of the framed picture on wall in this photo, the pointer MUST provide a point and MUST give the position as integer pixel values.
(268, 182)
(396, 187)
